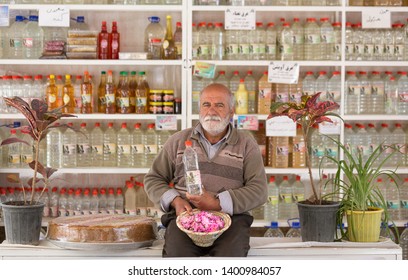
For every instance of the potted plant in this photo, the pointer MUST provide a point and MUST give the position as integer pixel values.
(22, 219)
(362, 201)
(317, 214)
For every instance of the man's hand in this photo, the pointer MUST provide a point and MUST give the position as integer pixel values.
(205, 201)
(181, 205)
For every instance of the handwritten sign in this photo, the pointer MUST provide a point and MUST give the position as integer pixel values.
(283, 72)
(166, 123)
(4, 16)
(280, 126)
(54, 16)
(376, 18)
(204, 69)
(240, 19)
(247, 122)
(330, 128)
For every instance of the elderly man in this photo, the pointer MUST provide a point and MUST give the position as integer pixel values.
(232, 174)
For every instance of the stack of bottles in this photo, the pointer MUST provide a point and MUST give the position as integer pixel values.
(315, 39)
(269, 2)
(258, 94)
(92, 146)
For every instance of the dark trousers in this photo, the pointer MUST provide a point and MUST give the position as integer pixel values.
(234, 242)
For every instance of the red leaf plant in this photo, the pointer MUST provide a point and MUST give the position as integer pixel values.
(40, 122)
(308, 113)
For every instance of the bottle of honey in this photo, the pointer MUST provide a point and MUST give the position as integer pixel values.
(51, 93)
(86, 94)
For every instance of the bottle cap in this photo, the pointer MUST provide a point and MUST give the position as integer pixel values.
(188, 143)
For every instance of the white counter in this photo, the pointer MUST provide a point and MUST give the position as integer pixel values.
(261, 247)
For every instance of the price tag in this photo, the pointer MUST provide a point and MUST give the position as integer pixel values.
(240, 19)
(4, 16)
(166, 123)
(376, 18)
(280, 126)
(330, 128)
(54, 16)
(247, 122)
(283, 72)
(204, 69)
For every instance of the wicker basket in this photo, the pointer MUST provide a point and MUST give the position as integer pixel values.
(204, 239)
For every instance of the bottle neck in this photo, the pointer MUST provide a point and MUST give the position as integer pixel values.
(169, 31)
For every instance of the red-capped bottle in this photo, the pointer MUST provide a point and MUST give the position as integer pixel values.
(104, 46)
(115, 41)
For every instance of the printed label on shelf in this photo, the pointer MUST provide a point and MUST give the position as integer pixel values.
(54, 16)
(240, 19)
(4, 16)
(247, 122)
(283, 72)
(376, 18)
(166, 123)
(280, 126)
(204, 70)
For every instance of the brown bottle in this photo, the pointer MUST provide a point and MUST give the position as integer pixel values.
(52, 93)
(110, 94)
(68, 96)
(142, 92)
(132, 91)
(123, 97)
(86, 94)
(102, 93)
(169, 49)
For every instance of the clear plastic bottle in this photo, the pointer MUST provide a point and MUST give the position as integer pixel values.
(110, 201)
(217, 42)
(386, 144)
(70, 202)
(403, 242)
(197, 86)
(280, 151)
(86, 94)
(361, 142)
(16, 39)
(195, 41)
(264, 94)
(103, 201)
(84, 148)
(54, 148)
(109, 146)
(142, 200)
(119, 201)
(241, 99)
(77, 210)
(130, 198)
(251, 86)
(222, 79)
(270, 41)
(96, 141)
(204, 48)
(286, 203)
(141, 94)
(77, 94)
(86, 202)
(150, 144)
(162, 136)
(321, 85)
(308, 84)
(137, 147)
(365, 93)
(391, 95)
(274, 231)
(399, 157)
(271, 210)
(317, 147)
(234, 81)
(298, 191)
(337, 41)
(358, 40)
(285, 42)
(298, 149)
(94, 202)
(79, 24)
(312, 40)
(298, 39)
(349, 42)
(54, 200)
(192, 174)
(44, 199)
(123, 146)
(393, 200)
(63, 203)
(379, 44)
(38, 88)
(13, 151)
(33, 36)
(69, 147)
(404, 200)
(403, 93)
(352, 88)
(178, 40)
(334, 88)
(294, 231)
(27, 151)
(377, 93)
(326, 39)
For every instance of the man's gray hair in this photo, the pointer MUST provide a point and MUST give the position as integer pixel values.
(221, 88)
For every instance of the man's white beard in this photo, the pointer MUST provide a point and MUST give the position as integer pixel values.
(214, 125)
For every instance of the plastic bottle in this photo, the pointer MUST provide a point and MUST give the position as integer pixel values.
(270, 41)
(271, 210)
(137, 147)
(110, 94)
(192, 174)
(264, 94)
(94, 202)
(294, 231)
(27, 151)
(349, 42)
(150, 144)
(54, 148)
(234, 81)
(96, 138)
(169, 49)
(403, 93)
(119, 201)
(142, 92)
(153, 31)
(298, 149)
(352, 88)
(123, 94)
(274, 231)
(391, 95)
(334, 88)
(13, 151)
(399, 157)
(70, 202)
(77, 94)
(109, 146)
(404, 200)
(358, 40)
(77, 203)
(286, 204)
(123, 146)
(285, 42)
(44, 198)
(114, 41)
(280, 149)
(251, 86)
(33, 36)
(51, 93)
(317, 149)
(69, 147)
(86, 95)
(60, 85)
(404, 242)
(365, 93)
(86, 202)
(298, 39)
(15, 37)
(130, 199)
(241, 99)
(79, 24)
(68, 98)
(62, 203)
(298, 190)
(308, 84)
(337, 34)
(110, 201)
(321, 85)
(162, 136)
(222, 79)
(178, 40)
(104, 46)
(326, 38)
(312, 40)
(103, 201)
(141, 203)
(84, 148)
(38, 88)
(393, 200)
(386, 144)
(102, 93)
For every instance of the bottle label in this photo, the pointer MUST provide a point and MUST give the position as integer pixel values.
(124, 149)
(401, 147)
(318, 152)
(349, 49)
(331, 152)
(334, 95)
(141, 101)
(298, 39)
(69, 149)
(378, 49)
(115, 45)
(286, 197)
(165, 44)
(109, 148)
(66, 99)
(16, 43)
(138, 149)
(282, 97)
(86, 99)
(141, 211)
(203, 50)
(359, 49)
(97, 149)
(286, 49)
(151, 149)
(54, 211)
(14, 158)
(102, 100)
(233, 49)
(254, 48)
(104, 43)
(282, 150)
(109, 99)
(404, 204)
(393, 204)
(52, 98)
(389, 50)
(28, 42)
(299, 147)
(62, 212)
(403, 96)
(26, 158)
(78, 102)
(271, 49)
(123, 102)
(377, 90)
(264, 99)
(295, 97)
(399, 50)
(195, 52)
(353, 90)
(262, 49)
(312, 39)
(193, 177)
(327, 38)
(273, 200)
(84, 148)
(298, 196)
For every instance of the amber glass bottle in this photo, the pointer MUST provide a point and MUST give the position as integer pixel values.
(52, 93)
(142, 92)
(110, 94)
(123, 97)
(102, 93)
(86, 94)
(169, 49)
(68, 96)
(132, 91)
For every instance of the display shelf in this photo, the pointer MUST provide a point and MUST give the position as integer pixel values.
(375, 117)
(108, 8)
(92, 62)
(209, 8)
(82, 170)
(102, 117)
(256, 63)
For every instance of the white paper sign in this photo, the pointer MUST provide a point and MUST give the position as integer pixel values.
(4, 16)
(240, 19)
(166, 123)
(283, 72)
(280, 126)
(330, 128)
(54, 16)
(376, 18)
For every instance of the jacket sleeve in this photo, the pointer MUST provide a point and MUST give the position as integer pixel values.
(254, 190)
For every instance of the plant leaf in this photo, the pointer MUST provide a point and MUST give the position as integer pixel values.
(12, 140)
(40, 108)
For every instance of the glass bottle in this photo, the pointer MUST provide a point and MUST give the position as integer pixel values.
(110, 94)
(122, 99)
(178, 38)
(104, 46)
(102, 93)
(169, 49)
(86, 94)
(68, 96)
(114, 41)
(132, 91)
(51, 93)
(142, 92)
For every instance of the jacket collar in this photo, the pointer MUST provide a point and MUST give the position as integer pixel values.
(232, 138)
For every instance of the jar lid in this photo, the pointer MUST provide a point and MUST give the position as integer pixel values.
(156, 103)
(156, 91)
